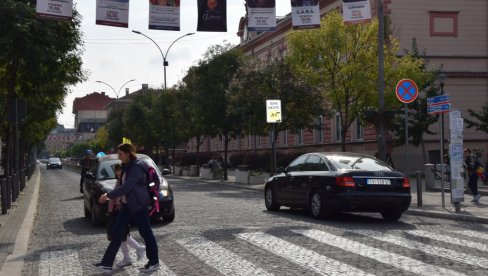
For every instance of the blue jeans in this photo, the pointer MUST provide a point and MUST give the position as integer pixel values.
(473, 183)
(119, 231)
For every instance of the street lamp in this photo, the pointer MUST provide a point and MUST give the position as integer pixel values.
(116, 93)
(165, 63)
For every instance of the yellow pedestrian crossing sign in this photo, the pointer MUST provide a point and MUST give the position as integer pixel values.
(126, 141)
(273, 111)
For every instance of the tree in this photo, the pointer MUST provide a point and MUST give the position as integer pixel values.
(481, 118)
(115, 127)
(38, 61)
(340, 60)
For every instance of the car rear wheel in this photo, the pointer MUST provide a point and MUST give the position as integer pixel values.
(269, 200)
(391, 216)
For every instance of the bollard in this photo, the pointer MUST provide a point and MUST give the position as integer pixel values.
(3, 189)
(9, 191)
(15, 187)
(419, 189)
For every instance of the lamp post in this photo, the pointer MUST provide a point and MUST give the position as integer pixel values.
(165, 62)
(116, 93)
(441, 78)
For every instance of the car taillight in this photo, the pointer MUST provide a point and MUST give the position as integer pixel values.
(406, 182)
(345, 181)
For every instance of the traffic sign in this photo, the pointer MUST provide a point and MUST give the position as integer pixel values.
(442, 99)
(273, 111)
(440, 108)
(407, 91)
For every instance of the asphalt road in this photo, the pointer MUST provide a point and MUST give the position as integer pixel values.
(222, 229)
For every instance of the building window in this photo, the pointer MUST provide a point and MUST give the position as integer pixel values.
(338, 127)
(359, 130)
(443, 23)
(238, 142)
(319, 130)
(285, 137)
(258, 141)
(300, 137)
(249, 138)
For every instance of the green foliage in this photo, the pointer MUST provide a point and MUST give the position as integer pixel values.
(341, 60)
(480, 118)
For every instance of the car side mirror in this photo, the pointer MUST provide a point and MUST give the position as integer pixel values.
(280, 170)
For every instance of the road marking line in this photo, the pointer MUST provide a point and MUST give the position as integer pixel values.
(449, 239)
(474, 234)
(223, 260)
(379, 255)
(302, 256)
(429, 249)
(136, 265)
(64, 262)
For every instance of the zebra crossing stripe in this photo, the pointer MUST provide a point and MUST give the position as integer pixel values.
(64, 262)
(473, 234)
(136, 265)
(379, 255)
(429, 249)
(302, 256)
(223, 260)
(449, 239)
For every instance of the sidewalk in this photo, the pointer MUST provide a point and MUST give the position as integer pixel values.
(431, 201)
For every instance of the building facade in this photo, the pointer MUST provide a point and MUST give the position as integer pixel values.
(90, 114)
(454, 36)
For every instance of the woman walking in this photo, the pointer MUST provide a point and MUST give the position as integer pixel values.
(134, 210)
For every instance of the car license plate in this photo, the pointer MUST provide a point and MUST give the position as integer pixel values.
(374, 181)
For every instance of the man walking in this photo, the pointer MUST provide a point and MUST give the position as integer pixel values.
(85, 164)
(472, 164)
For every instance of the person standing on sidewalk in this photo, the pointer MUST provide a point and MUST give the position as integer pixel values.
(471, 164)
(135, 210)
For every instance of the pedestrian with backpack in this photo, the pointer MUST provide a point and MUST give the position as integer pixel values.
(114, 207)
(472, 164)
(134, 189)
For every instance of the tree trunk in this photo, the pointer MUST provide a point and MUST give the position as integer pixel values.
(226, 146)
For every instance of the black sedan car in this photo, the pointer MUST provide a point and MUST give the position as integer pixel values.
(54, 162)
(328, 183)
(102, 180)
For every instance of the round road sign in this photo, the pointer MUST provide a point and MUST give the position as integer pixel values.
(407, 91)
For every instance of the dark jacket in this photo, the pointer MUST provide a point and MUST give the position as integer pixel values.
(134, 187)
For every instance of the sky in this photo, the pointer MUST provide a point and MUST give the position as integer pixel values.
(116, 55)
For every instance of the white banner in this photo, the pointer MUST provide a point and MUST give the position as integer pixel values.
(356, 11)
(305, 14)
(113, 13)
(164, 15)
(261, 15)
(55, 9)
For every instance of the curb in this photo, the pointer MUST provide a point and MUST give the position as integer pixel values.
(450, 216)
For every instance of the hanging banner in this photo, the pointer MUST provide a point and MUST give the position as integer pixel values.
(55, 9)
(164, 15)
(305, 14)
(212, 16)
(356, 11)
(113, 13)
(261, 15)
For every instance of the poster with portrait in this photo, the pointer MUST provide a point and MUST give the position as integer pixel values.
(305, 14)
(261, 15)
(113, 13)
(212, 16)
(55, 9)
(356, 11)
(164, 15)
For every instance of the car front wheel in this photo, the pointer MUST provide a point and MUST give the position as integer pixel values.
(169, 218)
(269, 200)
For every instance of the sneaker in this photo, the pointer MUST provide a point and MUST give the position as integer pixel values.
(141, 252)
(477, 197)
(149, 268)
(124, 262)
(103, 268)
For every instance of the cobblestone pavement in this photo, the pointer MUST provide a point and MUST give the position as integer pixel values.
(226, 230)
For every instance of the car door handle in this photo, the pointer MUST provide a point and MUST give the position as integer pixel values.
(310, 178)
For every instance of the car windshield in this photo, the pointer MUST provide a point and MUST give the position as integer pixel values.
(106, 169)
(358, 163)
(51, 160)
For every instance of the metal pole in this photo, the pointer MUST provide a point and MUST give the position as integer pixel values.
(381, 86)
(164, 66)
(17, 150)
(406, 140)
(442, 168)
(419, 189)
(273, 152)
